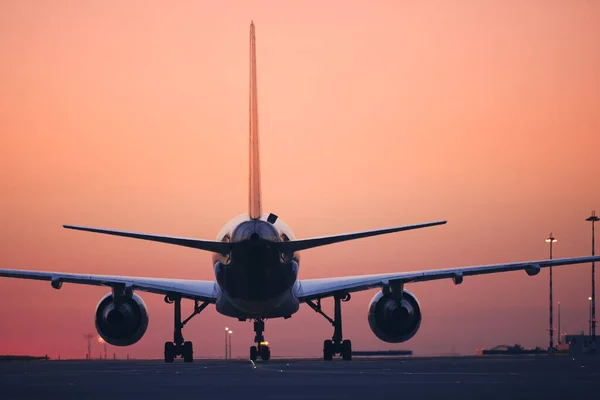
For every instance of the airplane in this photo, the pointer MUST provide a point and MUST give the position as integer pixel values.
(256, 265)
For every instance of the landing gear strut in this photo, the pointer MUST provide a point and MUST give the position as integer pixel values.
(178, 347)
(336, 345)
(262, 348)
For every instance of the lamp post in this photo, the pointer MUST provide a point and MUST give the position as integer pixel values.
(551, 239)
(226, 334)
(591, 322)
(559, 339)
(593, 218)
(230, 332)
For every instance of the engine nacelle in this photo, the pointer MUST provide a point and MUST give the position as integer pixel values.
(121, 324)
(394, 321)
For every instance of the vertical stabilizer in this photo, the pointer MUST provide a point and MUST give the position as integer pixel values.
(254, 205)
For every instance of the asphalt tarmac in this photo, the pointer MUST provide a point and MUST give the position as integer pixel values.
(485, 377)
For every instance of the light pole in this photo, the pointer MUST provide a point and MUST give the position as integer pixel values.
(230, 332)
(593, 218)
(559, 339)
(591, 322)
(551, 239)
(226, 334)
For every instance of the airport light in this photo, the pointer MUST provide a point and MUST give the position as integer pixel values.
(226, 334)
(591, 322)
(593, 218)
(551, 239)
(559, 339)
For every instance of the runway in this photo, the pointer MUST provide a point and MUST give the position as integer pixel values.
(493, 377)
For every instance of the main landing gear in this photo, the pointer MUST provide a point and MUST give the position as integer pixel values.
(336, 345)
(178, 347)
(262, 348)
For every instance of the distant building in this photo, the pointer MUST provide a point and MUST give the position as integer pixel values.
(581, 344)
(504, 349)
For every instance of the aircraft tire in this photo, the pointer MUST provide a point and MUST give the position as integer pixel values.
(169, 352)
(347, 350)
(188, 352)
(266, 353)
(327, 350)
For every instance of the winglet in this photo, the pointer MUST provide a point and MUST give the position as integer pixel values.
(254, 201)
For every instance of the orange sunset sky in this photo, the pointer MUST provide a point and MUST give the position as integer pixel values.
(134, 115)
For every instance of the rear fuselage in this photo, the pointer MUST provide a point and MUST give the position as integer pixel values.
(255, 279)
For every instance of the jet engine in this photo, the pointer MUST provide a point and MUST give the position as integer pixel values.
(393, 320)
(121, 323)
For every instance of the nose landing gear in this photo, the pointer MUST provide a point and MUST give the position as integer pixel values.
(179, 347)
(262, 348)
(336, 345)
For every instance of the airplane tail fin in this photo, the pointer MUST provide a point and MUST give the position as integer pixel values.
(254, 198)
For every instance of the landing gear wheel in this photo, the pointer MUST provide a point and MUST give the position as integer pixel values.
(188, 352)
(262, 348)
(265, 353)
(169, 352)
(327, 350)
(178, 347)
(336, 345)
(347, 350)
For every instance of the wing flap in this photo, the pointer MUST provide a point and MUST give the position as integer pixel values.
(191, 289)
(308, 289)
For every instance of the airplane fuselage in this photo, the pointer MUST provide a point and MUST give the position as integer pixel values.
(256, 280)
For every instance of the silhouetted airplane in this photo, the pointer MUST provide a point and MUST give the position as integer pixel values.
(256, 265)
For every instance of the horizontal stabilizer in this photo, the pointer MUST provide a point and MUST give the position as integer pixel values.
(215, 247)
(303, 244)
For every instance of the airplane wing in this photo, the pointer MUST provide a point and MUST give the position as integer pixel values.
(190, 289)
(208, 245)
(309, 289)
